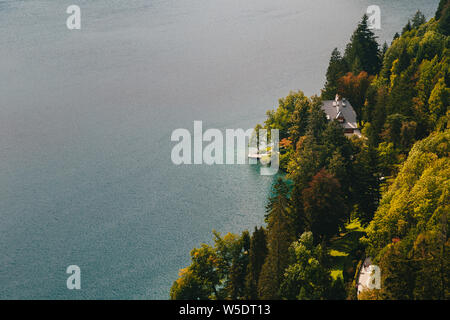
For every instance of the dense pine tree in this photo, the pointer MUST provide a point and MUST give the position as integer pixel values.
(418, 19)
(257, 255)
(238, 270)
(280, 236)
(362, 53)
(336, 69)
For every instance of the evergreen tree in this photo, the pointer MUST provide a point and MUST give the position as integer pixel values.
(362, 53)
(336, 69)
(338, 150)
(418, 19)
(396, 36)
(365, 188)
(257, 255)
(317, 121)
(280, 236)
(384, 49)
(403, 61)
(407, 27)
(238, 270)
(378, 117)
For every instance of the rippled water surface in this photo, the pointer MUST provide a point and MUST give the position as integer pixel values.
(86, 118)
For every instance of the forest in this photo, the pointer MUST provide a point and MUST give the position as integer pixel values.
(384, 194)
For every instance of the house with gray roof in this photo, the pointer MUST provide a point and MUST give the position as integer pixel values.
(343, 112)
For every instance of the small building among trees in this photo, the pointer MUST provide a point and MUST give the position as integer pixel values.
(342, 111)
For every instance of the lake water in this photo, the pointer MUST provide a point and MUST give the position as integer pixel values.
(86, 118)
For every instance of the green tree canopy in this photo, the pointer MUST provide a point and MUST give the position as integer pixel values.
(306, 277)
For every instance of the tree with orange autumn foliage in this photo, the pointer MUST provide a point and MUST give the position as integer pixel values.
(354, 88)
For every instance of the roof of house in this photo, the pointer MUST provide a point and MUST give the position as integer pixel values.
(336, 108)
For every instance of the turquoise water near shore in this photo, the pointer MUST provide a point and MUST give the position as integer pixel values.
(86, 118)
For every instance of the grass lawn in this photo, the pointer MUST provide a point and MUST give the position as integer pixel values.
(342, 246)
